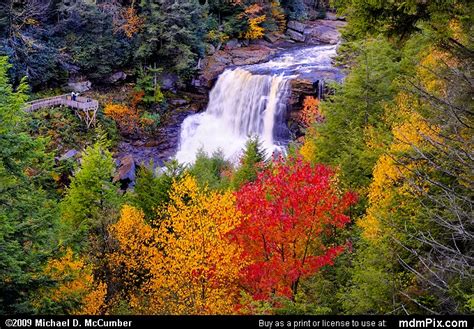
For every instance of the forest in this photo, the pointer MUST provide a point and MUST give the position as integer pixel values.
(368, 210)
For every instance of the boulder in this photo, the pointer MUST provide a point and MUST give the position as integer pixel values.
(68, 155)
(168, 81)
(251, 55)
(272, 37)
(297, 26)
(331, 16)
(296, 36)
(126, 170)
(322, 34)
(116, 77)
(210, 49)
(232, 44)
(80, 86)
(324, 31)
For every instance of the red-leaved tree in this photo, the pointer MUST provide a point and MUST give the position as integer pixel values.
(291, 209)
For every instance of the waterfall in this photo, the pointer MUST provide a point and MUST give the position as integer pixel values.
(251, 101)
(241, 105)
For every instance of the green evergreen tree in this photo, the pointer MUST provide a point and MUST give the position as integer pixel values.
(151, 191)
(173, 33)
(401, 18)
(251, 162)
(92, 199)
(147, 83)
(374, 281)
(86, 31)
(357, 106)
(210, 170)
(28, 216)
(296, 9)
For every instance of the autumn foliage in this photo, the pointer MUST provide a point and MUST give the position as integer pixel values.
(76, 289)
(310, 113)
(133, 23)
(278, 15)
(200, 267)
(130, 118)
(205, 246)
(185, 264)
(126, 117)
(254, 18)
(129, 22)
(291, 209)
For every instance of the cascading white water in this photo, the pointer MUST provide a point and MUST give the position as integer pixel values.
(249, 101)
(241, 105)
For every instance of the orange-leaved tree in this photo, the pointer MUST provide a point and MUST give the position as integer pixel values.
(126, 117)
(132, 22)
(292, 209)
(310, 113)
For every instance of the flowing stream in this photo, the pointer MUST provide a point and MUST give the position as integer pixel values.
(252, 101)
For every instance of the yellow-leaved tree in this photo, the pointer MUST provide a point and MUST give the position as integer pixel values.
(75, 290)
(254, 17)
(391, 192)
(414, 243)
(185, 265)
(255, 31)
(137, 253)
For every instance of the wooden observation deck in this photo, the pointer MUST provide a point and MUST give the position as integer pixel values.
(85, 108)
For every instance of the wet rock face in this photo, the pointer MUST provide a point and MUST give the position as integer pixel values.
(214, 65)
(159, 149)
(235, 53)
(323, 31)
(300, 88)
(315, 32)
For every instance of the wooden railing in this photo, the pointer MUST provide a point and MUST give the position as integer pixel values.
(81, 103)
(85, 108)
